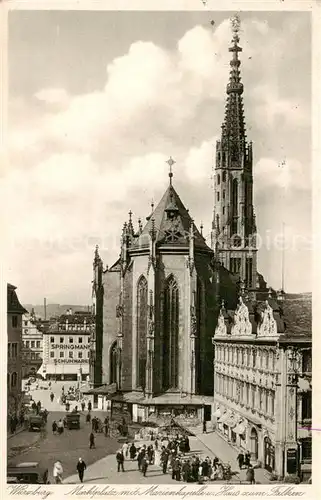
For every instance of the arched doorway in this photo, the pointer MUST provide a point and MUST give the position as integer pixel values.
(113, 363)
(269, 454)
(254, 444)
(171, 329)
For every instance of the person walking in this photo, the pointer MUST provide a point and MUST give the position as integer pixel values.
(120, 460)
(52, 397)
(132, 451)
(89, 405)
(54, 427)
(250, 475)
(125, 449)
(83, 406)
(57, 472)
(88, 417)
(144, 465)
(81, 466)
(240, 459)
(92, 441)
(60, 426)
(204, 427)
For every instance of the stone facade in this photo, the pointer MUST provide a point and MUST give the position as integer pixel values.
(32, 339)
(262, 375)
(159, 306)
(14, 363)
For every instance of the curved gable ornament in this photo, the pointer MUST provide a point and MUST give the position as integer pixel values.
(221, 326)
(268, 326)
(242, 324)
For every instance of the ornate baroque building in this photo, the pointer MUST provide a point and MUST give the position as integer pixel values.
(32, 345)
(262, 376)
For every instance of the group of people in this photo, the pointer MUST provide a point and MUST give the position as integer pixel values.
(58, 471)
(244, 459)
(58, 427)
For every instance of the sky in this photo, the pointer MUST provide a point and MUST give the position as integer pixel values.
(98, 101)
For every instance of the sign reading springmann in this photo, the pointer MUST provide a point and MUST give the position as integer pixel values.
(70, 346)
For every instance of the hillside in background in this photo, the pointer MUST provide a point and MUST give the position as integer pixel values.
(54, 310)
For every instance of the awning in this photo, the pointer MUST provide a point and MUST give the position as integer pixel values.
(239, 429)
(103, 389)
(217, 413)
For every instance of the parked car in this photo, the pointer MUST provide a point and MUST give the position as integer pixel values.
(27, 473)
(73, 420)
(35, 423)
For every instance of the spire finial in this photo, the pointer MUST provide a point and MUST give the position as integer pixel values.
(152, 205)
(201, 228)
(130, 213)
(170, 162)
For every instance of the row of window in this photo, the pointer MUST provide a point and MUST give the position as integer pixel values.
(63, 340)
(246, 356)
(244, 392)
(218, 195)
(70, 354)
(223, 176)
(32, 343)
(73, 326)
(31, 355)
(12, 349)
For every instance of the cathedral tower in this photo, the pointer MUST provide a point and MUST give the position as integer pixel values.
(233, 226)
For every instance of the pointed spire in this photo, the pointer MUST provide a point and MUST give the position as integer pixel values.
(233, 128)
(96, 255)
(130, 226)
(140, 225)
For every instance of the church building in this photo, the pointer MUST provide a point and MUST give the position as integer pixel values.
(155, 311)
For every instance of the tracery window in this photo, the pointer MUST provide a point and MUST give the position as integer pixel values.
(142, 298)
(171, 331)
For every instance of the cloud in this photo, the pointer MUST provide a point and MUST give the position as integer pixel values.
(80, 162)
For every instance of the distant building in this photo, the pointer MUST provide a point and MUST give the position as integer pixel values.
(14, 366)
(262, 381)
(32, 345)
(66, 346)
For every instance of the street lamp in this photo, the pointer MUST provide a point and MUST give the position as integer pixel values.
(55, 361)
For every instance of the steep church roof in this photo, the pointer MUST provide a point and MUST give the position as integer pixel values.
(171, 224)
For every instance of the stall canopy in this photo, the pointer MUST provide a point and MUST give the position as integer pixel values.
(103, 390)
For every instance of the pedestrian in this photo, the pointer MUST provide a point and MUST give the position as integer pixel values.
(204, 427)
(92, 440)
(120, 460)
(94, 424)
(57, 472)
(125, 449)
(250, 476)
(60, 426)
(132, 451)
(240, 459)
(144, 465)
(88, 418)
(54, 427)
(247, 459)
(81, 466)
(156, 444)
(164, 459)
(12, 425)
(83, 405)
(89, 406)
(52, 396)
(176, 471)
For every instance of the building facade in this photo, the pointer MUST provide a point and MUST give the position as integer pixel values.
(32, 345)
(15, 312)
(66, 347)
(262, 374)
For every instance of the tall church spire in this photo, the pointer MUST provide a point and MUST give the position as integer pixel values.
(233, 227)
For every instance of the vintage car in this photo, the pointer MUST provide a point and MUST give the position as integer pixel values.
(35, 422)
(72, 420)
(27, 473)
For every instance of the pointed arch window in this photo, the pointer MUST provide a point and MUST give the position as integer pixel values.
(113, 363)
(142, 300)
(171, 331)
(218, 179)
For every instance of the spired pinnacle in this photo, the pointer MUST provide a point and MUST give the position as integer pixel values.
(170, 162)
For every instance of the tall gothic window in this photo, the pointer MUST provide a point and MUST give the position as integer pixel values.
(113, 363)
(234, 205)
(171, 329)
(141, 331)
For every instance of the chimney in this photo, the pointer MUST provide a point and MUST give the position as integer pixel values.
(45, 307)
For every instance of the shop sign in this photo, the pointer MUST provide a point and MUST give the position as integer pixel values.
(70, 346)
(72, 361)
